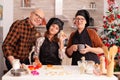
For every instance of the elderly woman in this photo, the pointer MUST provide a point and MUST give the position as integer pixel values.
(50, 47)
(86, 36)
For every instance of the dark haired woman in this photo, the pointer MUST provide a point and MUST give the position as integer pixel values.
(50, 48)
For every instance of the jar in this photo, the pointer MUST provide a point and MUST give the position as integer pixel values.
(16, 64)
(90, 67)
(91, 4)
(82, 66)
(94, 5)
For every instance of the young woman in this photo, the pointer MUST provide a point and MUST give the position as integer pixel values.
(49, 48)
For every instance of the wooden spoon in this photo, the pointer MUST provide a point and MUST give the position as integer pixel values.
(114, 50)
(106, 52)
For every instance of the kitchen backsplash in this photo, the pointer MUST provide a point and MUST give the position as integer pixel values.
(70, 7)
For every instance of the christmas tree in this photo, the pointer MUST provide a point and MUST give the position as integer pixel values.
(111, 33)
(112, 25)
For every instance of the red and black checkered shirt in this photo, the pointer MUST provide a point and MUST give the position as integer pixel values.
(20, 39)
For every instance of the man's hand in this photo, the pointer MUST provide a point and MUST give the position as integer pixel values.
(11, 59)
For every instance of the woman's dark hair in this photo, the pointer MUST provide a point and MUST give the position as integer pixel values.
(55, 38)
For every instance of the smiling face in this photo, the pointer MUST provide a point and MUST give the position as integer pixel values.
(80, 22)
(36, 17)
(54, 29)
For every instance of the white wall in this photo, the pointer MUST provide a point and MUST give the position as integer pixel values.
(7, 16)
(1, 55)
(5, 23)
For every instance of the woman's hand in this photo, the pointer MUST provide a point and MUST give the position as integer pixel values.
(85, 50)
(71, 49)
(62, 36)
(74, 47)
(95, 50)
(37, 61)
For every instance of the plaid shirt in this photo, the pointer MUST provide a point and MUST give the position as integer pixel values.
(20, 39)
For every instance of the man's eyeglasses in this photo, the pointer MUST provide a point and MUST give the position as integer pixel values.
(78, 19)
(38, 15)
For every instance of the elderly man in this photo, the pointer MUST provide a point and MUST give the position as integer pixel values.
(21, 37)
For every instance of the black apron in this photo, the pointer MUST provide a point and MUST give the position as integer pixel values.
(83, 38)
(49, 53)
